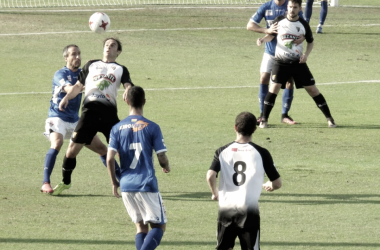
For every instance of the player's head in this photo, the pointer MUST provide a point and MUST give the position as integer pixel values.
(245, 123)
(294, 7)
(71, 54)
(136, 97)
(111, 48)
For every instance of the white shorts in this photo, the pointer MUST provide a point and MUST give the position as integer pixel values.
(145, 206)
(267, 63)
(56, 124)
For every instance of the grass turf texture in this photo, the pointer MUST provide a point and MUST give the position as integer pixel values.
(330, 196)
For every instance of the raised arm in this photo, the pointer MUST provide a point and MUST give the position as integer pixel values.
(252, 26)
(265, 39)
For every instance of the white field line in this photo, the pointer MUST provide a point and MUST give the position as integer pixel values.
(196, 88)
(173, 29)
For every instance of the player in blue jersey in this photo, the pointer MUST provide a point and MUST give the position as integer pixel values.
(102, 80)
(60, 125)
(135, 138)
(322, 13)
(291, 61)
(269, 11)
(241, 166)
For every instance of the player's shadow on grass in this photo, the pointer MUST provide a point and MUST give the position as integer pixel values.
(321, 126)
(65, 195)
(303, 199)
(187, 196)
(123, 243)
(310, 199)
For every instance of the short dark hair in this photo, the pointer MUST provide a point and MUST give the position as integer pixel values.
(296, 1)
(66, 49)
(136, 96)
(119, 46)
(245, 123)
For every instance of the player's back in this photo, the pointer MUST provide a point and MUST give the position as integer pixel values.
(135, 138)
(241, 177)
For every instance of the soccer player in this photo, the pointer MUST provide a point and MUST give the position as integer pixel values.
(135, 138)
(322, 14)
(242, 165)
(291, 62)
(59, 125)
(269, 11)
(101, 79)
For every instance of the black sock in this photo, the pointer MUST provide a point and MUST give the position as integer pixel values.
(322, 105)
(268, 105)
(67, 169)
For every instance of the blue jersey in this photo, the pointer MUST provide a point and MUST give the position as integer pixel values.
(270, 10)
(135, 138)
(64, 77)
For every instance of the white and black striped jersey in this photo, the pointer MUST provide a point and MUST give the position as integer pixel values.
(288, 31)
(102, 81)
(242, 168)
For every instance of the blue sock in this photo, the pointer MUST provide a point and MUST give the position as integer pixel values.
(308, 10)
(287, 99)
(50, 158)
(262, 94)
(323, 13)
(153, 239)
(139, 240)
(117, 168)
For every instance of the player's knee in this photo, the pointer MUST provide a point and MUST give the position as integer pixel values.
(264, 78)
(289, 85)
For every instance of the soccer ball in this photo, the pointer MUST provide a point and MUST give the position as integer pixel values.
(99, 22)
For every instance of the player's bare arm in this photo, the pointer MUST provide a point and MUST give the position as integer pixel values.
(270, 186)
(264, 39)
(164, 162)
(111, 171)
(257, 28)
(211, 180)
(127, 86)
(309, 48)
(72, 91)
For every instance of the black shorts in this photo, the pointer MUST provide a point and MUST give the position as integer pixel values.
(300, 72)
(93, 120)
(249, 237)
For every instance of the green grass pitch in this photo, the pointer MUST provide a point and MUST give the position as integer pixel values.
(200, 68)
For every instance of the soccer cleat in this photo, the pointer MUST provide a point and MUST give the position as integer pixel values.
(46, 188)
(288, 120)
(60, 187)
(263, 124)
(259, 121)
(331, 123)
(319, 30)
